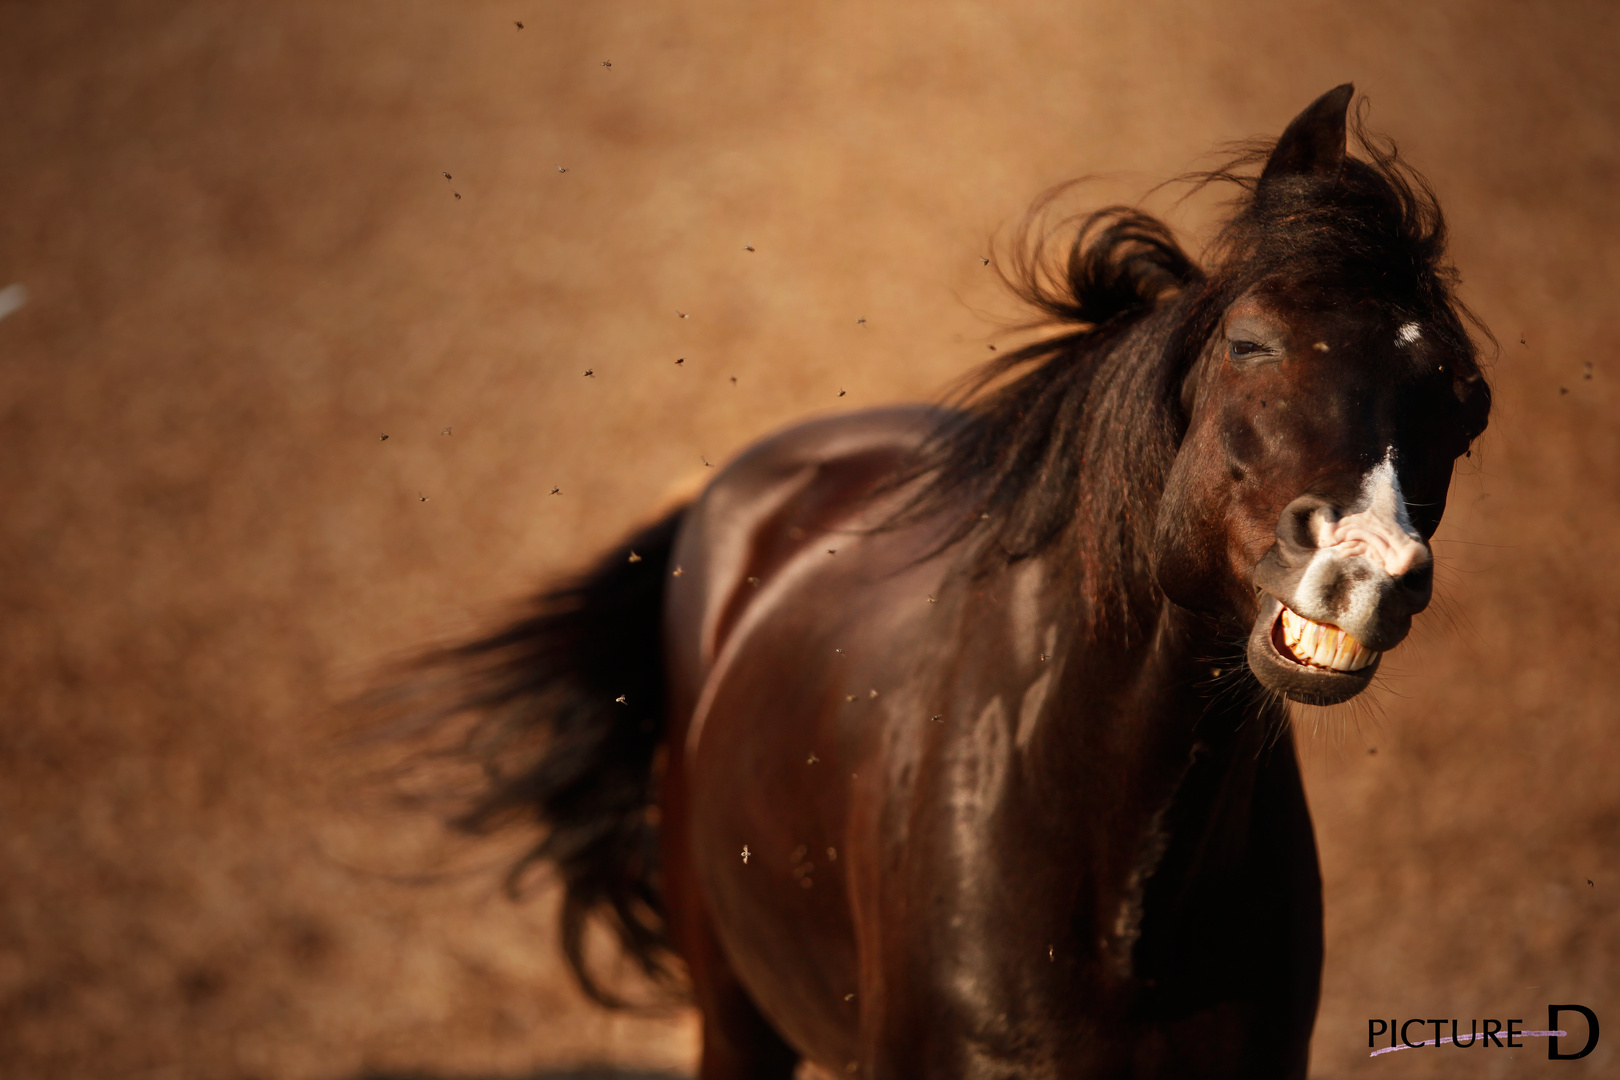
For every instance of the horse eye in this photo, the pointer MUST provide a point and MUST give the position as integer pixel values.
(1241, 349)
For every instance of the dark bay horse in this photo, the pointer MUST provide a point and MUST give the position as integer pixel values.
(952, 742)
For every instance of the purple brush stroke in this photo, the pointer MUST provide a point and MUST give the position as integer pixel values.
(1431, 1042)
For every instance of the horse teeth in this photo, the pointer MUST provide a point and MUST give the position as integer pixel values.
(1325, 646)
(1293, 625)
(1320, 645)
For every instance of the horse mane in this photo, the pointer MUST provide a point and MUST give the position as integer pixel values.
(1073, 434)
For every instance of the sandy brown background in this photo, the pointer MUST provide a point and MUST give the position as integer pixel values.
(245, 266)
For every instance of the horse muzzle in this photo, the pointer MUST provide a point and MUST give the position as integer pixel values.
(1338, 591)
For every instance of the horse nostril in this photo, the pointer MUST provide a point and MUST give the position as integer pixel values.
(1298, 526)
(1419, 579)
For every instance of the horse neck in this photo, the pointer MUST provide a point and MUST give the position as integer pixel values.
(1141, 691)
(1139, 760)
(1127, 679)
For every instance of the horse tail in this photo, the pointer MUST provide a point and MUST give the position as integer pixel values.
(567, 712)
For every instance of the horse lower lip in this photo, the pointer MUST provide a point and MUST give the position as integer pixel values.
(1318, 645)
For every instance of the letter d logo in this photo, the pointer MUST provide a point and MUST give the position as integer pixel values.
(1552, 1025)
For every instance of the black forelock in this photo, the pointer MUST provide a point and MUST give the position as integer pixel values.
(1371, 230)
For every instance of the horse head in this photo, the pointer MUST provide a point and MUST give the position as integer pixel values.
(1330, 387)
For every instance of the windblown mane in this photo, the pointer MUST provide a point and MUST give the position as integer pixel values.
(1073, 434)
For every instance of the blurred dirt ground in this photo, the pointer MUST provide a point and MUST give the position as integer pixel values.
(245, 267)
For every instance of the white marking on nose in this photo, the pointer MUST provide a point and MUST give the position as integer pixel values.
(1408, 333)
(1378, 528)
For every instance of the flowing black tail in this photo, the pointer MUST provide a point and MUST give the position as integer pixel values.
(567, 712)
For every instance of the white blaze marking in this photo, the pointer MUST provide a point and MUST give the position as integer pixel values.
(1378, 534)
(1408, 333)
(1378, 527)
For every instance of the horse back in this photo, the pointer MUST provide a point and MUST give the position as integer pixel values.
(806, 489)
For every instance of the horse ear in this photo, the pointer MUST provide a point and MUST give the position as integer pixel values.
(1314, 142)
